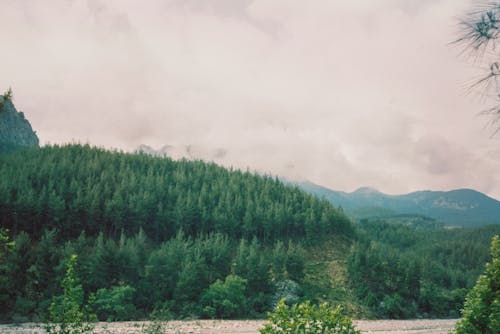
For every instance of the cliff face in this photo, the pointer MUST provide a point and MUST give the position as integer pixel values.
(15, 130)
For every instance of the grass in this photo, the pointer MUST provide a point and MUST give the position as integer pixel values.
(326, 278)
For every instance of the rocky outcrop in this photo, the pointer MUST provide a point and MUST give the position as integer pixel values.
(15, 130)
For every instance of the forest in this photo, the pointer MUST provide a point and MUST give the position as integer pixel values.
(412, 270)
(168, 235)
(194, 240)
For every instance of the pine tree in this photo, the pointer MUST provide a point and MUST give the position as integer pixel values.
(68, 313)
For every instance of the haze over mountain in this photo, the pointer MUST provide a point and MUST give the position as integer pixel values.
(281, 85)
(460, 207)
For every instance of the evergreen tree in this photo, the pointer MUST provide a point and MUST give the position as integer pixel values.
(68, 313)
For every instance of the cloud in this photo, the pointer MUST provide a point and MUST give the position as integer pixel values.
(343, 93)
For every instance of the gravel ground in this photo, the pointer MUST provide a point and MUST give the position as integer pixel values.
(246, 327)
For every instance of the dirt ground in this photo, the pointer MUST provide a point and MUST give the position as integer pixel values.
(246, 327)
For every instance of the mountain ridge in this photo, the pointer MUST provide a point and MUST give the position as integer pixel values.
(457, 207)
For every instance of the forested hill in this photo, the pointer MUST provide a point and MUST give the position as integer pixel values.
(193, 239)
(77, 188)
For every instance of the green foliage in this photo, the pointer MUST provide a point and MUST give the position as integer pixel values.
(253, 264)
(402, 271)
(74, 188)
(174, 231)
(481, 313)
(308, 318)
(287, 290)
(115, 304)
(6, 245)
(168, 229)
(16, 275)
(225, 299)
(68, 313)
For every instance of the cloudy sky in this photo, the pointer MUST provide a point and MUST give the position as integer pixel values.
(339, 92)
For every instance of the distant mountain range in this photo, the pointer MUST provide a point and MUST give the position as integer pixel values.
(461, 207)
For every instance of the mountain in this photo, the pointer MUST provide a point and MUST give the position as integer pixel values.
(461, 207)
(160, 230)
(15, 129)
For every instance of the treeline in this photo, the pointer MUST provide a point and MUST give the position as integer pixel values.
(402, 271)
(78, 188)
(211, 276)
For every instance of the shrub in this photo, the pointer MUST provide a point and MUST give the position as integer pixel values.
(225, 300)
(308, 318)
(115, 304)
(481, 312)
(288, 290)
(392, 306)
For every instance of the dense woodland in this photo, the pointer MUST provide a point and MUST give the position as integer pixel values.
(410, 270)
(192, 239)
(78, 188)
(153, 231)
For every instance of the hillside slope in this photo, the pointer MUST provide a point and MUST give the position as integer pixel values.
(194, 239)
(75, 188)
(159, 234)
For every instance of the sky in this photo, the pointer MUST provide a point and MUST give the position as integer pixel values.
(341, 93)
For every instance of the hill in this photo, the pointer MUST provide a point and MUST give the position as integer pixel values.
(152, 233)
(462, 207)
(76, 188)
(193, 239)
(15, 129)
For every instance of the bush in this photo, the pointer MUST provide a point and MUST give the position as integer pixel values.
(288, 290)
(23, 309)
(308, 318)
(225, 300)
(115, 304)
(481, 312)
